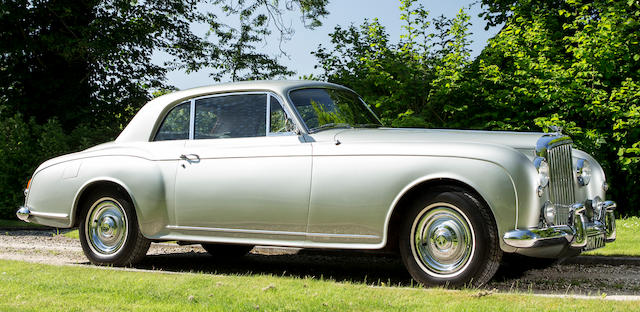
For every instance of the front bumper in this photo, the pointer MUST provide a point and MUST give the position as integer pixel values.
(580, 234)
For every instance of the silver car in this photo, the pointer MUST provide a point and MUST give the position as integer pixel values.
(308, 164)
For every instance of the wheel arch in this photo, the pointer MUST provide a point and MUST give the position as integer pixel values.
(95, 184)
(410, 193)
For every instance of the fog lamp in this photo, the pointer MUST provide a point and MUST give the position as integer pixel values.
(549, 213)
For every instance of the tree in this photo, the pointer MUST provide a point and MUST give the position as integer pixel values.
(572, 63)
(409, 83)
(72, 73)
(577, 65)
(91, 60)
(236, 49)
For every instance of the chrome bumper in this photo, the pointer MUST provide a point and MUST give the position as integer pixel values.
(23, 214)
(580, 233)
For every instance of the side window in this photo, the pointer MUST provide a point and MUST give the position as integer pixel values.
(176, 124)
(231, 116)
(278, 118)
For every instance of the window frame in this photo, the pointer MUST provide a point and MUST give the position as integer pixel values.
(192, 113)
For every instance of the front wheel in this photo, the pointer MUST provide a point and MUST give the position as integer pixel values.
(449, 238)
(109, 232)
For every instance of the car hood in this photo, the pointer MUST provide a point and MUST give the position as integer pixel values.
(518, 140)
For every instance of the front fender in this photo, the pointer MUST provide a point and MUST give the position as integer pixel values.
(378, 175)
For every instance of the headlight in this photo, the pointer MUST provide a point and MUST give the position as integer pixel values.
(583, 172)
(543, 171)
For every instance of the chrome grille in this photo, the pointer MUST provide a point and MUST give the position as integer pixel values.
(561, 181)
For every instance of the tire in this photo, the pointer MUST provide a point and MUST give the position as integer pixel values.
(227, 250)
(118, 240)
(445, 214)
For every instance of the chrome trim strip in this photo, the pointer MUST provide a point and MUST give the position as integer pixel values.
(267, 232)
(267, 123)
(50, 215)
(24, 213)
(343, 235)
(192, 119)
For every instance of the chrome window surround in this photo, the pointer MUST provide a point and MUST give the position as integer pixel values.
(286, 112)
(192, 112)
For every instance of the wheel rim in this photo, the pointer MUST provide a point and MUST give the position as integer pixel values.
(442, 240)
(106, 226)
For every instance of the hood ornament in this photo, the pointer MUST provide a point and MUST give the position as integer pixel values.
(556, 129)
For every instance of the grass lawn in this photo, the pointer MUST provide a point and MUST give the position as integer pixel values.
(72, 234)
(38, 287)
(627, 242)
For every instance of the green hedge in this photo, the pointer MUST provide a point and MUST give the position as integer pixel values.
(26, 144)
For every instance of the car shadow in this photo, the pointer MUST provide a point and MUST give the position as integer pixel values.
(347, 266)
(365, 267)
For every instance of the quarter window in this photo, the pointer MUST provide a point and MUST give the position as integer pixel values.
(231, 116)
(176, 125)
(279, 123)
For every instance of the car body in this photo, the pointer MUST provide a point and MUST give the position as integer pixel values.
(307, 164)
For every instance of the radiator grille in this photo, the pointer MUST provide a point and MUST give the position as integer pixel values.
(561, 181)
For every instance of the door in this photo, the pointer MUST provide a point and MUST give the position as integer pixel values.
(243, 174)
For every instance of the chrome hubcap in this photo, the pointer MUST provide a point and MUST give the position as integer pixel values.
(442, 240)
(106, 226)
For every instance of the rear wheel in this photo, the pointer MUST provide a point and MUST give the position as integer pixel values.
(109, 232)
(449, 238)
(227, 250)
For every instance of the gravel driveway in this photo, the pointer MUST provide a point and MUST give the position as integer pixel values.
(575, 279)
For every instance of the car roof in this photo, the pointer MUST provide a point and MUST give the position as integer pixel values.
(143, 123)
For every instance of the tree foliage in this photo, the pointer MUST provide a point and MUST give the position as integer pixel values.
(573, 63)
(408, 82)
(72, 73)
(576, 65)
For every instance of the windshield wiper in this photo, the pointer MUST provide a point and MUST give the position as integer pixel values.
(331, 126)
(367, 125)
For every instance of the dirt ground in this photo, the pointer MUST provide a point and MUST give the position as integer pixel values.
(557, 279)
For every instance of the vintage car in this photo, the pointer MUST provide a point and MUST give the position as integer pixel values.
(308, 164)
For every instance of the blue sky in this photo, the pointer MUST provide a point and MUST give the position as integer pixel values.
(344, 13)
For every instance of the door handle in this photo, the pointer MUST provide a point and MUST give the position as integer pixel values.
(190, 157)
